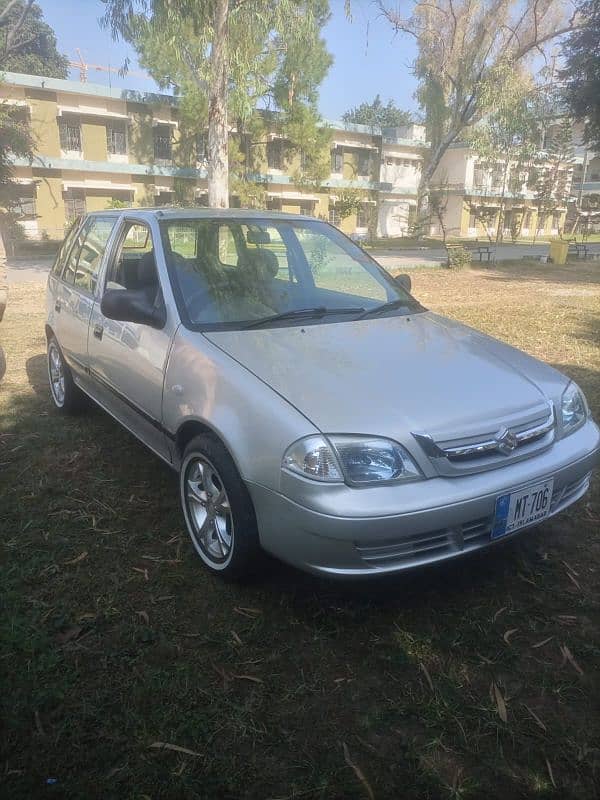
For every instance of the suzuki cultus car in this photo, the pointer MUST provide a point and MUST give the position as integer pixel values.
(312, 407)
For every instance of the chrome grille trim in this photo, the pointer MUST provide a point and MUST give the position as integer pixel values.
(505, 442)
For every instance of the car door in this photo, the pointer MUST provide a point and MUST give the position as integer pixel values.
(127, 360)
(75, 289)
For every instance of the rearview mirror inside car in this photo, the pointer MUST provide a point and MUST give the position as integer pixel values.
(133, 305)
(256, 236)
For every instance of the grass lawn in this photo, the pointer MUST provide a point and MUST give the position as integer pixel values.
(128, 672)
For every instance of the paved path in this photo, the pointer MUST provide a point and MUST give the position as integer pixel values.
(432, 257)
(25, 270)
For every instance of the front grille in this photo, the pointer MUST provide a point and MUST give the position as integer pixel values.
(423, 547)
(569, 493)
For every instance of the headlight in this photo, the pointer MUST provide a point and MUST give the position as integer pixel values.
(573, 408)
(360, 460)
(313, 458)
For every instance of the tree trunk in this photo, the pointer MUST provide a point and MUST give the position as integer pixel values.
(429, 168)
(218, 150)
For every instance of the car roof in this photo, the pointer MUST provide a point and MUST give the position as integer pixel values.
(166, 212)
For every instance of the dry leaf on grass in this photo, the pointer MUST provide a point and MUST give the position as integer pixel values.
(542, 643)
(508, 634)
(252, 678)
(252, 613)
(69, 634)
(536, 718)
(358, 772)
(425, 672)
(568, 656)
(500, 703)
(77, 559)
(174, 747)
(497, 614)
(550, 773)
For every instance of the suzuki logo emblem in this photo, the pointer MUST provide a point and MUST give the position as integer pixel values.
(506, 441)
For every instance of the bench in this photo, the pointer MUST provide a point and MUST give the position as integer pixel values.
(481, 251)
(578, 249)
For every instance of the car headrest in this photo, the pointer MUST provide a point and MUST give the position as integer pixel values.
(263, 263)
(146, 271)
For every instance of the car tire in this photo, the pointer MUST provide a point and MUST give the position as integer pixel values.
(218, 510)
(66, 396)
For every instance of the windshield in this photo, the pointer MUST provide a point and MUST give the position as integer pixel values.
(248, 272)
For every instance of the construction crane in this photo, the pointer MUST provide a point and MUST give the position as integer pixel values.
(84, 67)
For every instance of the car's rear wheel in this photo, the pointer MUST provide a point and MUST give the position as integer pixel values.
(218, 509)
(65, 394)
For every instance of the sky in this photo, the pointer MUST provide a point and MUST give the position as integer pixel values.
(368, 58)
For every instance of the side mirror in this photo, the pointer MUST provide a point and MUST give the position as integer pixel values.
(404, 281)
(132, 305)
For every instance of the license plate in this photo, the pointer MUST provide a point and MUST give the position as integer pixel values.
(525, 507)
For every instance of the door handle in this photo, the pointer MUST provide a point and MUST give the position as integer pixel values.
(57, 305)
(98, 331)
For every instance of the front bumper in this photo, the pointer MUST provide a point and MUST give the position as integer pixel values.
(347, 532)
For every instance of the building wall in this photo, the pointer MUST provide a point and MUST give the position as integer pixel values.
(104, 177)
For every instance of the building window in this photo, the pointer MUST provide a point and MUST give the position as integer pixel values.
(74, 204)
(274, 204)
(201, 147)
(337, 159)
(362, 216)
(116, 139)
(472, 220)
(25, 202)
(334, 217)
(69, 131)
(556, 220)
(162, 142)
(479, 178)
(275, 154)
(364, 162)
(307, 207)
(163, 198)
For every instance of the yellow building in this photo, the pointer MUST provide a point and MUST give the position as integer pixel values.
(481, 196)
(96, 146)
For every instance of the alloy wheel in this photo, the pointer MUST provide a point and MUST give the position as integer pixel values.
(56, 374)
(208, 511)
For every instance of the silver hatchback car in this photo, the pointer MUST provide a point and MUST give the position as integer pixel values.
(312, 407)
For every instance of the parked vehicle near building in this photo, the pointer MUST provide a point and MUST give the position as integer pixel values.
(312, 407)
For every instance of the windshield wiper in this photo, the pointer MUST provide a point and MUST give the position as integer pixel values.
(390, 306)
(299, 313)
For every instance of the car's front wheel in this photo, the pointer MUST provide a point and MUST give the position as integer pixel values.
(65, 394)
(218, 509)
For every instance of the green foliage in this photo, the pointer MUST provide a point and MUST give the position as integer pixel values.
(582, 71)
(116, 203)
(27, 43)
(458, 257)
(348, 202)
(377, 113)
(275, 59)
